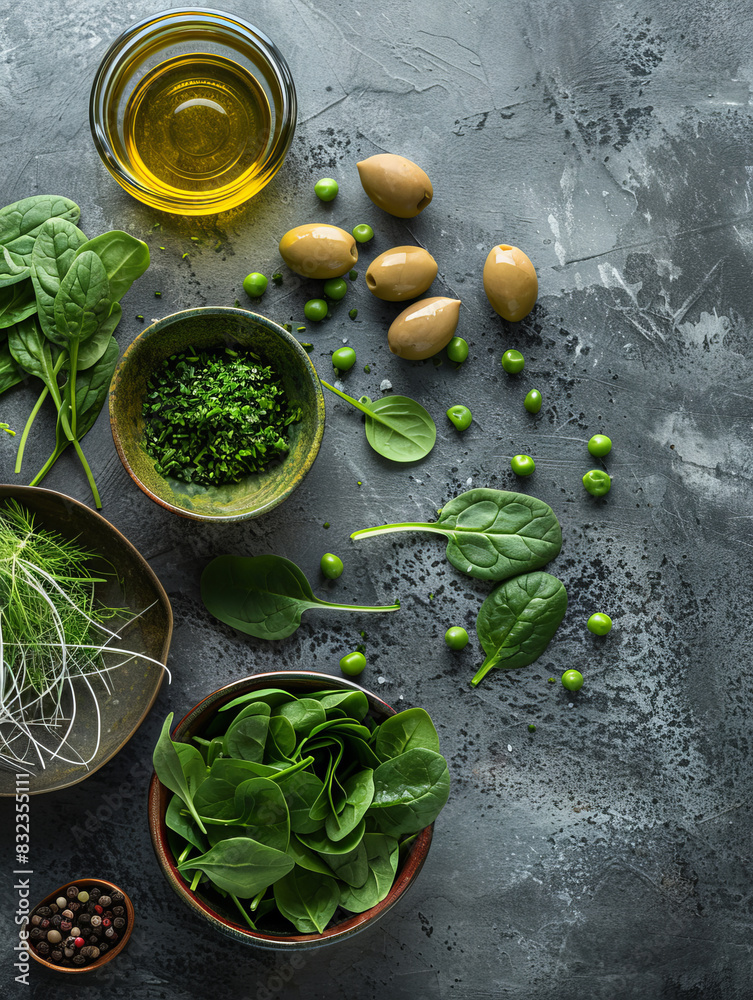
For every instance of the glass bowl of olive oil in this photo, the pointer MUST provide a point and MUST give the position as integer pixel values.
(193, 111)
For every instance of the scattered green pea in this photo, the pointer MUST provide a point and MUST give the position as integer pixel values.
(456, 637)
(461, 416)
(531, 727)
(551, 680)
(326, 524)
(326, 189)
(331, 566)
(513, 362)
(599, 445)
(599, 623)
(352, 664)
(277, 278)
(572, 680)
(522, 465)
(353, 313)
(457, 350)
(353, 274)
(597, 482)
(255, 285)
(335, 288)
(344, 358)
(363, 233)
(315, 310)
(367, 369)
(532, 402)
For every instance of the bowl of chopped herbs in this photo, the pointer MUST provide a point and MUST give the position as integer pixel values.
(217, 413)
(291, 810)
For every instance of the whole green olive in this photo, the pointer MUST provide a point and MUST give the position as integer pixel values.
(395, 184)
(318, 250)
(510, 282)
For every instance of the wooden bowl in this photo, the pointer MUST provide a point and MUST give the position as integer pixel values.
(85, 883)
(135, 684)
(211, 908)
(207, 327)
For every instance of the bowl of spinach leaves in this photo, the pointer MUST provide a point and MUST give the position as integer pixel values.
(290, 810)
(217, 413)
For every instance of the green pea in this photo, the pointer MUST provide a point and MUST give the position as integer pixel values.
(353, 274)
(599, 623)
(522, 465)
(255, 285)
(326, 189)
(532, 402)
(513, 362)
(353, 664)
(331, 566)
(572, 680)
(597, 482)
(335, 288)
(353, 313)
(461, 416)
(531, 727)
(599, 445)
(363, 233)
(344, 358)
(315, 310)
(457, 350)
(456, 637)
(277, 278)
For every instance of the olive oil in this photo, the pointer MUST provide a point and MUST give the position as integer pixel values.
(197, 123)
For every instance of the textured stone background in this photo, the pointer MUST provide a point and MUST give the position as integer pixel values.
(608, 854)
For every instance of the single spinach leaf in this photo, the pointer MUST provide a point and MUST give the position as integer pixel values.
(353, 703)
(180, 767)
(303, 715)
(409, 791)
(246, 738)
(404, 731)
(301, 790)
(397, 427)
(491, 534)
(352, 868)
(215, 800)
(283, 736)
(304, 857)
(307, 899)
(94, 348)
(52, 255)
(517, 621)
(24, 218)
(185, 826)
(34, 352)
(83, 301)
(270, 696)
(16, 303)
(261, 808)
(241, 866)
(359, 793)
(382, 855)
(263, 596)
(11, 372)
(320, 842)
(236, 771)
(125, 258)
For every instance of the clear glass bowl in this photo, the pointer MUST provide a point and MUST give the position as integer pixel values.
(221, 148)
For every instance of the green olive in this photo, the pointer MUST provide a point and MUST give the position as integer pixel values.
(510, 282)
(395, 184)
(423, 329)
(532, 402)
(461, 416)
(352, 664)
(457, 350)
(255, 285)
(326, 189)
(513, 362)
(315, 310)
(572, 680)
(599, 445)
(318, 250)
(335, 288)
(331, 566)
(344, 358)
(456, 637)
(363, 233)
(401, 273)
(522, 465)
(599, 623)
(597, 482)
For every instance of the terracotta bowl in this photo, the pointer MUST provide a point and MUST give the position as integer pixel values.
(86, 883)
(135, 684)
(207, 327)
(211, 908)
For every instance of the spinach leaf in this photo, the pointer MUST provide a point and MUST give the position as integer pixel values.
(303, 715)
(180, 767)
(82, 302)
(125, 258)
(263, 596)
(10, 371)
(94, 348)
(13, 268)
(215, 800)
(51, 257)
(517, 621)
(321, 843)
(241, 866)
(304, 857)
(404, 731)
(382, 856)
(492, 534)
(236, 771)
(353, 703)
(16, 303)
(284, 740)
(307, 899)
(359, 793)
(397, 427)
(246, 739)
(301, 790)
(352, 868)
(261, 808)
(183, 825)
(24, 218)
(409, 791)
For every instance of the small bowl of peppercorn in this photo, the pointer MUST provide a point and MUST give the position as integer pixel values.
(80, 926)
(217, 413)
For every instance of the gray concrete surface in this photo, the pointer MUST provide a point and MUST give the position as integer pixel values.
(607, 855)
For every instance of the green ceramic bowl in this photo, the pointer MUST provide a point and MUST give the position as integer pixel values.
(216, 326)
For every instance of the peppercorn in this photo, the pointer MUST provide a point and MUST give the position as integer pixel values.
(35, 933)
(118, 923)
(117, 897)
(103, 947)
(106, 922)
(44, 911)
(45, 924)
(78, 959)
(54, 908)
(54, 937)
(118, 911)
(94, 894)
(43, 948)
(90, 951)
(65, 926)
(96, 920)
(61, 902)
(111, 934)
(69, 952)
(104, 901)
(79, 942)
(93, 939)
(56, 955)
(36, 920)
(90, 906)
(56, 920)
(83, 896)
(74, 906)
(67, 914)
(72, 891)
(99, 909)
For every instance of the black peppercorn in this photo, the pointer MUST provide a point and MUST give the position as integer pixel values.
(56, 955)
(43, 948)
(118, 911)
(90, 906)
(93, 939)
(35, 933)
(117, 897)
(84, 919)
(118, 923)
(111, 934)
(56, 920)
(90, 951)
(54, 907)
(103, 947)
(94, 894)
(75, 906)
(69, 952)
(72, 891)
(44, 911)
(78, 959)
(104, 901)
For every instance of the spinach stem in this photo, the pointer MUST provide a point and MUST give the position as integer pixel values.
(32, 417)
(196, 879)
(371, 414)
(246, 917)
(483, 670)
(184, 853)
(406, 526)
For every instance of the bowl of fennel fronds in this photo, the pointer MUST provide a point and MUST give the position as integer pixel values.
(85, 630)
